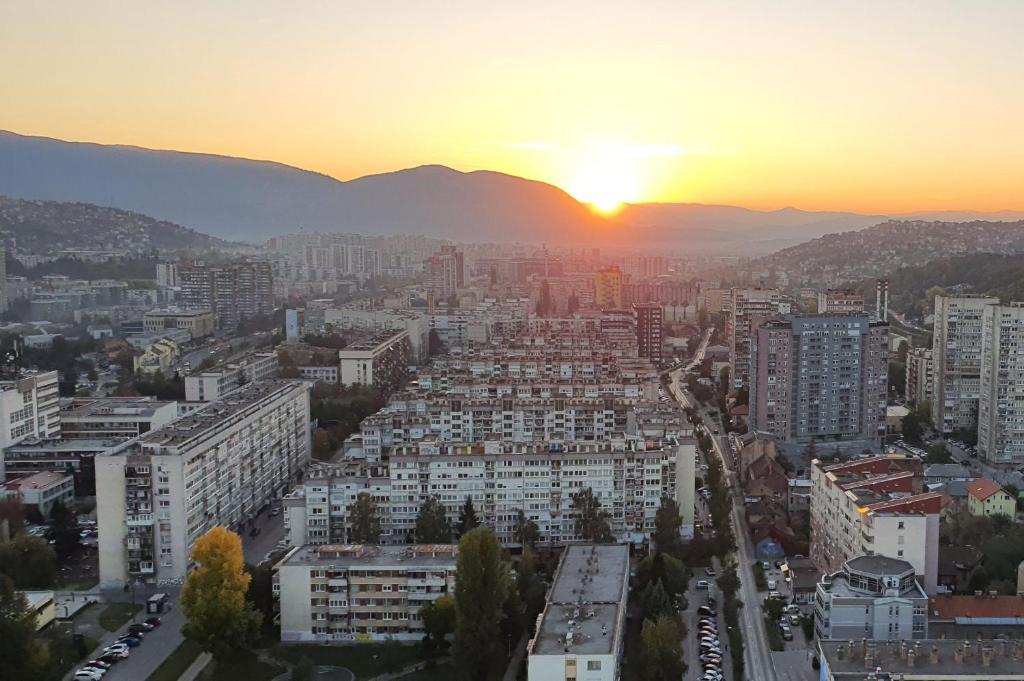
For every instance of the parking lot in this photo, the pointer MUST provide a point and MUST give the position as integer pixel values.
(271, 531)
(691, 618)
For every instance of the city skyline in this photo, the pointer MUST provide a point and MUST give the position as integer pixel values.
(725, 105)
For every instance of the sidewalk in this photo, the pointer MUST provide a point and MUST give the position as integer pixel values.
(196, 667)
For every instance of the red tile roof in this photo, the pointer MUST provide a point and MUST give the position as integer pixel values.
(982, 488)
(948, 608)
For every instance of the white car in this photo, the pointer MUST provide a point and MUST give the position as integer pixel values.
(118, 649)
(88, 675)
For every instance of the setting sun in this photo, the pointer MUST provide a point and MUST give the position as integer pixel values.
(607, 177)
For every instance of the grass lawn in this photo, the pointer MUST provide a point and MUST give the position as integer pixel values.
(64, 655)
(246, 666)
(177, 662)
(117, 614)
(365, 660)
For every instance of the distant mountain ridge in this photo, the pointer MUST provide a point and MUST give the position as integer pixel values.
(235, 198)
(48, 227)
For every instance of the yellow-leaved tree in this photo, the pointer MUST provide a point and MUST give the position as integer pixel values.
(213, 598)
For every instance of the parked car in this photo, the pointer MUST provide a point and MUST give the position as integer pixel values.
(275, 512)
(794, 620)
(705, 611)
(775, 595)
(139, 629)
(787, 632)
(98, 663)
(772, 585)
(117, 649)
(153, 622)
(130, 641)
(88, 674)
(710, 572)
(703, 584)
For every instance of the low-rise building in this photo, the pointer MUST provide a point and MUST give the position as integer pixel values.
(106, 418)
(158, 357)
(580, 632)
(198, 323)
(41, 604)
(986, 498)
(319, 374)
(40, 491)
(924, 660)
(872, 597)
(75, 457)
(352, 592)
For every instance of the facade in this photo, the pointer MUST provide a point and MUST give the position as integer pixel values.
(875, 507)
(381, 360)
(445, 272)
(840, 301)
(608, 288)
(41, 605)
(40, 491)
(167, 275)
(872, 597)
(211, 385)
(233, 291)
(217, 466)
(416, 324)
(581, 631)
(920, 386)
(198, 323)
(29, 408)
(746, 308)
(356, 593)
(75, 457)
(986, 498)
(956, 355)
(1001, 393)
(819, 377)
(158, 357)
(649, 331)
(950, 659)
(319, 374)
(106, 418)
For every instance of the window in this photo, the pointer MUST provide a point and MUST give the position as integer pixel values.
(593, 665)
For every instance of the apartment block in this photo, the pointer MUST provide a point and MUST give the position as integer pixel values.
(920, 385)
(416, 324)
(29, 408)
(113, 418)
(819, 378)
(233, 291)
(747, 307)
(207, 386)
(581, 631)
(873, 597)
(875, 507)
(445, 272)
(957, 356)
(198, 323)
(217, 466)
(608, 288)
(649, 330)
(840, 301)
(354, 593)
(1001, 393)
(381, 361)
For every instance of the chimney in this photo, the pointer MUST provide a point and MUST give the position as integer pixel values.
(903, 650)
(869, 657)
(911, 656)
(967, 650)
(986, 656)
(979, 593)
(934, 657)
(841, 651)
(852, 646)
(958, 654)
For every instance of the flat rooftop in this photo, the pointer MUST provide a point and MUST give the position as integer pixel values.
(357, 555)
(847, 662)
(80, 407)
(583, 608)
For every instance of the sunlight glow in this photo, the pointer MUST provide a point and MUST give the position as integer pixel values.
(607, 176)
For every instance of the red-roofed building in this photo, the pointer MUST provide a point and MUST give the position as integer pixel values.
(40, 491)
(986, 498)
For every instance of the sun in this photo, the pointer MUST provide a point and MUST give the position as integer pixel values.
(606, 178)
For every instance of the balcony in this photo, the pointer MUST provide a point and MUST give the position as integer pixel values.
(141, 520)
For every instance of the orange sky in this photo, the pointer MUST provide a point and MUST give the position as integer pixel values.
(874, 106)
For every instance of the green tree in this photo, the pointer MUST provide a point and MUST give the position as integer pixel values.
(217, 615)
(591, 519)
(662, 654)
(467, 517)
(13, 512)
(527, 532)
(439, 619)
(531, 587)
(481, 588)
(432, 526)
(63, 530)
(365, 520)
(655, 601)
(671, 572)
(260, 594)
(668, 526)
(303, 670)
(29, 562)
(937, 453)
(23, 655)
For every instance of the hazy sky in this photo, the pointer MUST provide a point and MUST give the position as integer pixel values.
(873, 106)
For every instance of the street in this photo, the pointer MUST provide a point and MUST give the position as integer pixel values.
(271, 532)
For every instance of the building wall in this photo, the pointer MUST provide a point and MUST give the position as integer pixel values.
(29, 407)
(1001, 391)
(957, 353)
(999, 503)
(746, 307)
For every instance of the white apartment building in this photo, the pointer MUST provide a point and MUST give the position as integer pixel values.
(875, 506)
(217, 466)
(747, 306)
(416, 324)
(355, 593)
(381, 360)
(207, 386)
(956, 355)
(628, 474)
(1001, 396)
(40, 491)
(106, 418)
(582, 628)
(920, 385)
(29, 408)
(198, 323)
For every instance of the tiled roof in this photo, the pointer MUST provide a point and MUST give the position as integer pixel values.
(949, 608)
(983, 488)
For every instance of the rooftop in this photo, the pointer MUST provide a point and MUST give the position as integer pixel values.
(349, 555)
(582, 613)
(880, 565)
(40, 480)
(980, 609)
(83, 407)
(921, 660)
(983, 488)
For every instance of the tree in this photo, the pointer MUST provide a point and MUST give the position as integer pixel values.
(29, 562)
(432, 526)
(667, 526)
(303, 670)
(467, 518)
(217, 615)
(13, 512)
(323, 444)
(655, 601)
(662, 654)
(527, 532)
(532, 589)
(591, 520)
(911, 428)
(260, 594)
(481, 588)
(23, 655)
(670, 572)
(937, 453)
(439, 619)
(63, 530)
(365, 521)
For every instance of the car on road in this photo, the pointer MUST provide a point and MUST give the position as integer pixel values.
(117, 649)
(787, 632)
(703, 584)
(130, 640)
(705, 611)
(153, 622)
(710, 572)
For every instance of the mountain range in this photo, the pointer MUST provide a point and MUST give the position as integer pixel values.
(242, 199)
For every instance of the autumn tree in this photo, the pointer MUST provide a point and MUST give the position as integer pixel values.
(526, 531)
(432, 526)
(323, 444)
(439, 619)
(467, 517)
(365, 521)
(13, 512)
(662, 654)
(218, 617)
(29, 562)
(481, 588)
(23, 655)
(591, 519)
